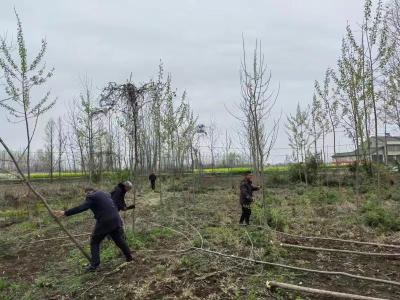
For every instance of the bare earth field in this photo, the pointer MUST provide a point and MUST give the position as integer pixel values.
(171, 233)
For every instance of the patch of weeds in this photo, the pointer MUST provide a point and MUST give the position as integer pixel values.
(324, 196)
(300, 190)
(13, 213)
(161, 270)
(273, 199)
(11, 291)
(364, 188)
(223, 236)
(275, 217)
(7, 248)
(178, 187)
(195, 263)
(395, 195)
(375, 215)
(259, 238)
(109, 251)
(262, 240)
(44, 281)
(140, 240)
(76, 257)
(3, 284)
(204, 189)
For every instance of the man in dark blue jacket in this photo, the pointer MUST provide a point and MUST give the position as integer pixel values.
(108, 222)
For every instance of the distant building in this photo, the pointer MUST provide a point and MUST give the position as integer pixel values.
(387, 146)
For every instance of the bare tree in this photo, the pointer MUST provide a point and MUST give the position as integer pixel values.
(21, 78)
(317, 127)
(377, 51)
(256, 106)
(77, 135)
(299, 133)
(86, 119)
(213, 136)
(50, 144)
(349, 88)
(330, 105)
(258, 101)
(61, 142)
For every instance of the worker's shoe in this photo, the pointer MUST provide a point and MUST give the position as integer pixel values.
(91, 268)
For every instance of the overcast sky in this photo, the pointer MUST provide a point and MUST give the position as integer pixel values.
(199, 42)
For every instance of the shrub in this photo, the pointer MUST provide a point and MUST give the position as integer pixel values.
(395, 195)
(277, 178)
(303, 171)
(375, 215)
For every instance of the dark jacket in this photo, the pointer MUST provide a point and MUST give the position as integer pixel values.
(118, 196)
(246, 192)
(152, 177)
(103, 208)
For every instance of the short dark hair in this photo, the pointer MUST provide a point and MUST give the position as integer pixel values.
(247, 173)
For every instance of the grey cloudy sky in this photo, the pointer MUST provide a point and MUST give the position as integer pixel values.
(199, 42)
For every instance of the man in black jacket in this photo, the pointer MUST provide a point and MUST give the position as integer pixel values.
(152, 179)
(246, 197)
(108, 222)
(118, 195)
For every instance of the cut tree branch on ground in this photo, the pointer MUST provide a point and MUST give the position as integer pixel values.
(60, 238)
(331, 273)
(43, 200)
(334, 273)
(332, 239)
(339, 250)
(339, 295)
(195, 229)
(321, 238)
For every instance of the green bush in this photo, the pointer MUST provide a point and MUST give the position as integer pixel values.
(304, 172)
(277, 178)
(375, 215)
(395, 195)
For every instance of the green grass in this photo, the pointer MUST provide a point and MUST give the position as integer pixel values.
(56, 175)
(268, 169)
(240, 170)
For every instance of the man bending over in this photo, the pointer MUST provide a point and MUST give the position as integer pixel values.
(108, 222)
